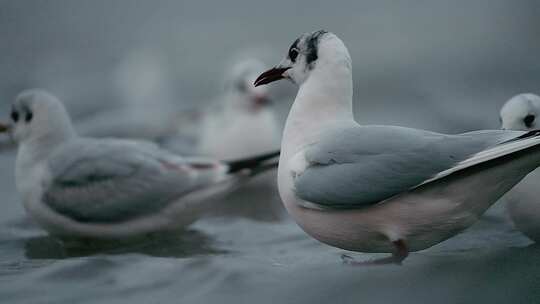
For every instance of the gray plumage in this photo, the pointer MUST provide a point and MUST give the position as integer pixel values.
(363, 165)
(112, 180)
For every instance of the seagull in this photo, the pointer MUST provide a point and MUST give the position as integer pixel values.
(144, 107)
(377, 188)
(521, 113)
(77, 187)
(242, 122)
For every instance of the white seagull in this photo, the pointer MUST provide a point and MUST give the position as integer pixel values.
(109, 188)
(242, 122)
(523, 203)
(144, 108)
(382, 188)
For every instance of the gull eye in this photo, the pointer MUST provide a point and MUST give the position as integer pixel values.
(241, 86)
(28, 117)
(15, 116)
(293, 53)
(528, 120)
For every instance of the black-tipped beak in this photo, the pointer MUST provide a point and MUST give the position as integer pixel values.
(270, 76)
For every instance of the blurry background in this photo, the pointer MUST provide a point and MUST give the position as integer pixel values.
(440, 65)
(446, 66)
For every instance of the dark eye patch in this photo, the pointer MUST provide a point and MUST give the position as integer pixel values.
(28, 117)
(293, 53)
(528, 120)
(293, 50)
(240, 86)
(312, 46)
(15, 116)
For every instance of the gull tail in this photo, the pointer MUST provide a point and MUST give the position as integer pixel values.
(528, 143)
(254, 164)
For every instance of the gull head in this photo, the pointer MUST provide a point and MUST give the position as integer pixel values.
(306, 54)
(239, 84)
(521, 112)
(36, 114)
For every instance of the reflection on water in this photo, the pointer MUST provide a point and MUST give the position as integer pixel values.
(228, 261)
(257, 200)
(180, 244)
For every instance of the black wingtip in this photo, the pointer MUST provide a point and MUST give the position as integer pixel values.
(529, 134)
(253, 162)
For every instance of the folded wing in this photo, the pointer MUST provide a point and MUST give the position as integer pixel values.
(111, 181)
(363, 165)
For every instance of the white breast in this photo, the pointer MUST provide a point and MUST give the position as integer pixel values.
(523, 205)
(241, 135)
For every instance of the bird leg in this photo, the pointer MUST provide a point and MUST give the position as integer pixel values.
(401, 251)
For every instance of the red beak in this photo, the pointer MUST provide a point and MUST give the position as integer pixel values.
(270, 76)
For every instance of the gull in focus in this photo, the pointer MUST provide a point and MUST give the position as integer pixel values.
(376, 188)
(521, 112)
(110, 188)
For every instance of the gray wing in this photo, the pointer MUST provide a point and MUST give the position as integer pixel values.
(111, 180)
(363, 165)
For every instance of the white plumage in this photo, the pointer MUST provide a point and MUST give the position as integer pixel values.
(241, 121)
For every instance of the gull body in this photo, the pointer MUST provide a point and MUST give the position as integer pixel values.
(523, 202)
(243, 122)
(135, 122)
(144, 107)
(382, 188)
(109, 188)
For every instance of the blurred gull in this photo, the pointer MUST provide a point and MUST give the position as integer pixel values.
(382, 188)
(109, 188)
(521, 112)
(143, 109)
(523, 202)
(243, 122)
(240, 123)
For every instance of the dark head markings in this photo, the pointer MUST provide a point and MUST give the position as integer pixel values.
(28, 116)
(529, 120)
(312, 49)
(241, 86)
(23, 111)
(293, 50)
(14, 115)
(240, 82)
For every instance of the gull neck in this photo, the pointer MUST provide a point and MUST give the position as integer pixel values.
(40, 147)
(323, 100)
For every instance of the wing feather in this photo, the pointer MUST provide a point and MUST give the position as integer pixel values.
(111, 181)
(363, 165)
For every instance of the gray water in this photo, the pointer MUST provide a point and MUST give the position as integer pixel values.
(445, 66)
